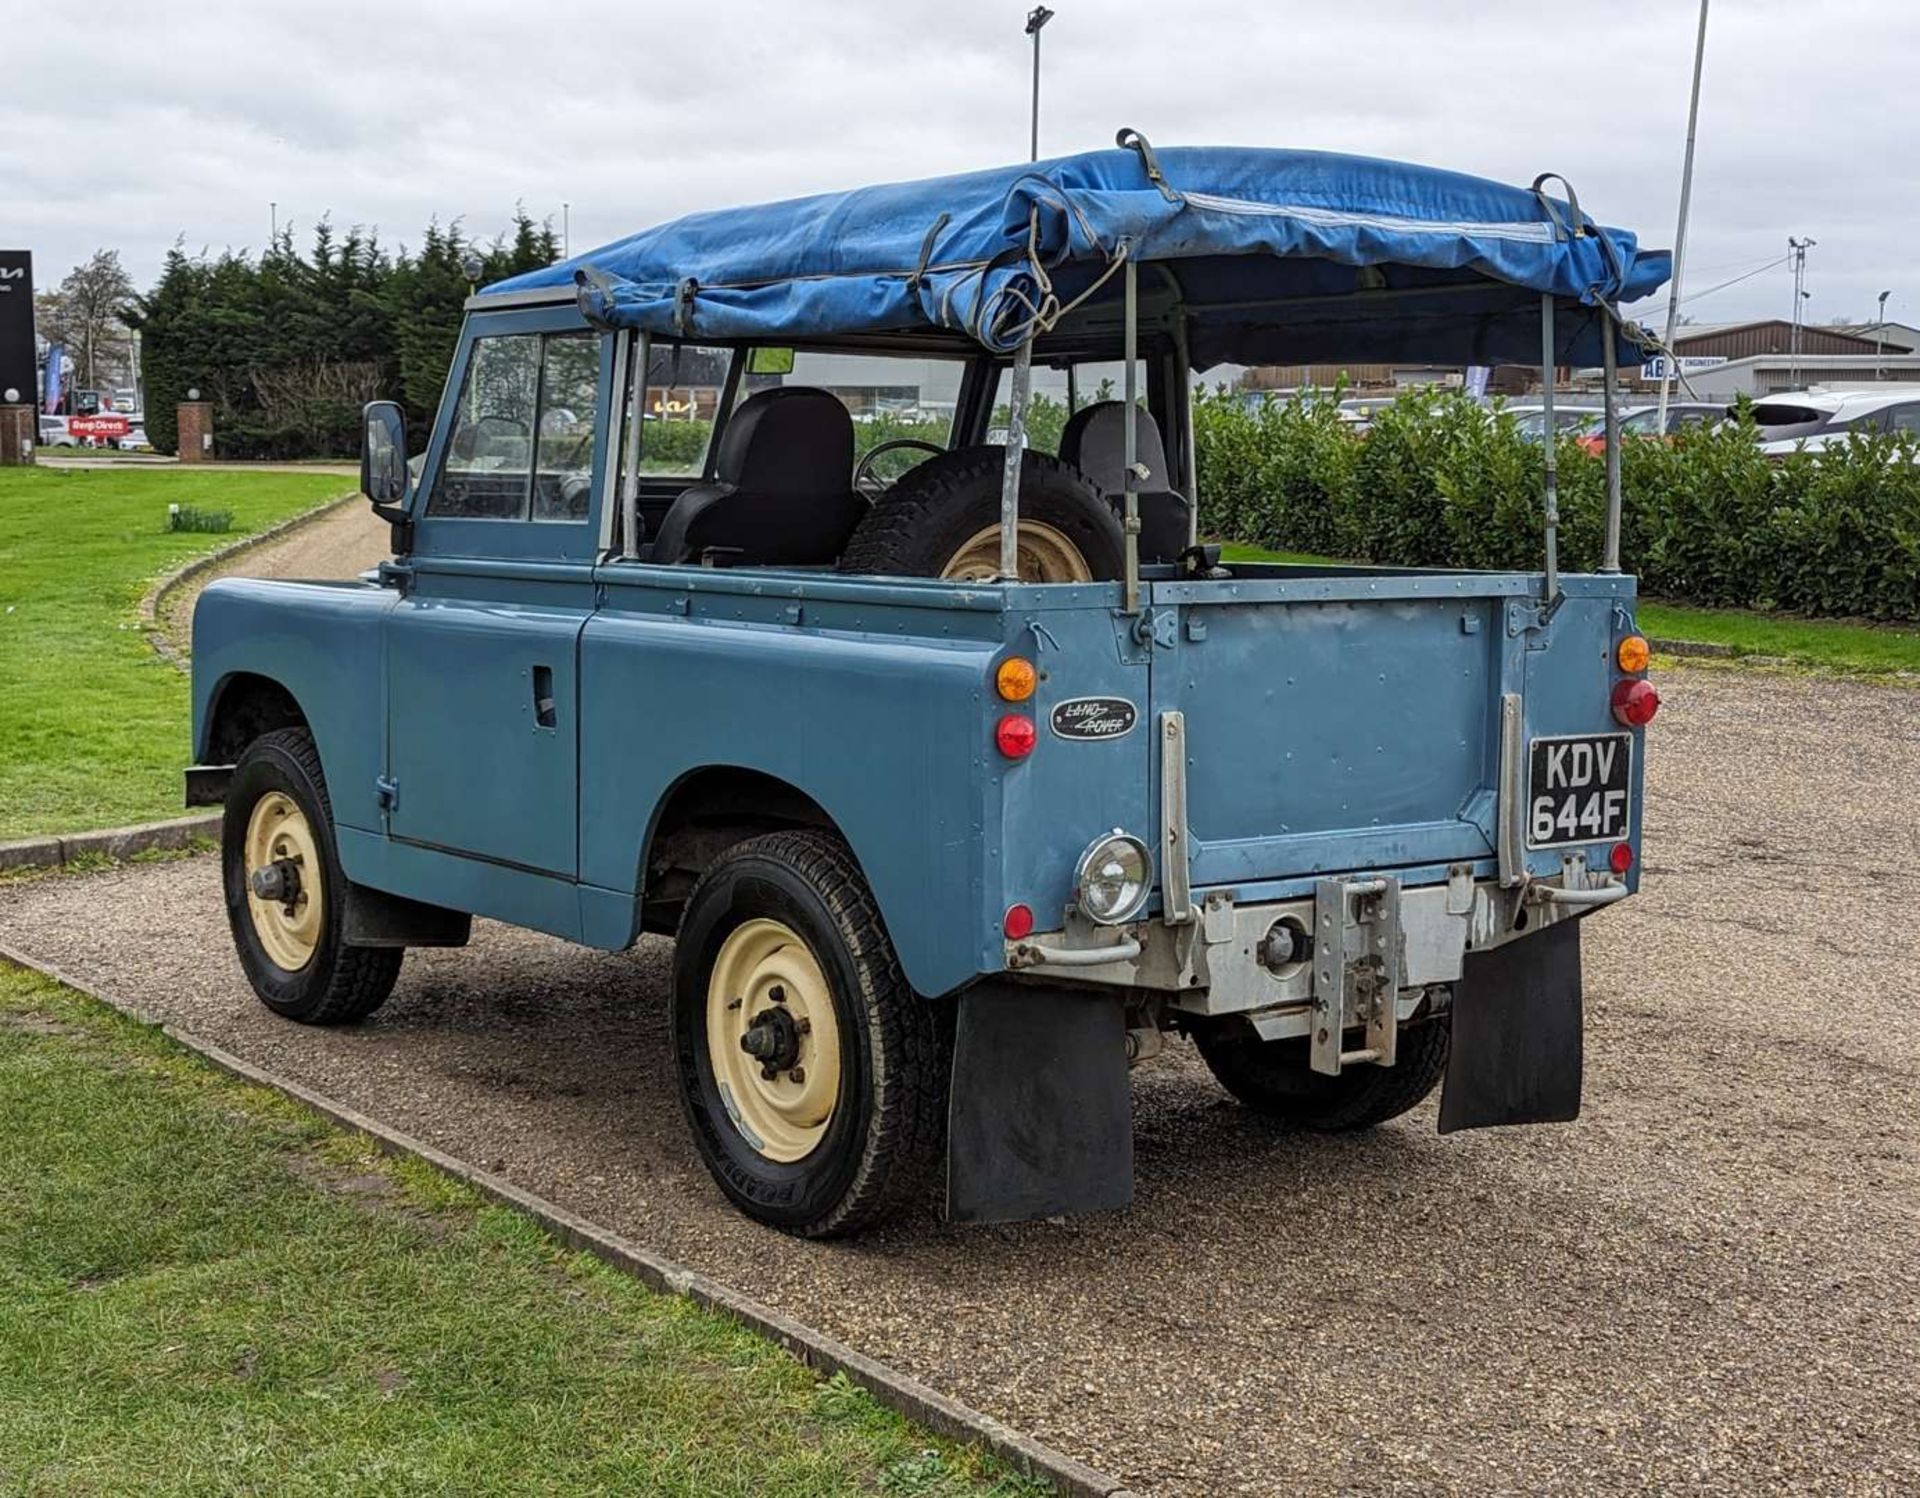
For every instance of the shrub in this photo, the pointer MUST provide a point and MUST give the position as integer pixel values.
(188, 518)
(1443, 482)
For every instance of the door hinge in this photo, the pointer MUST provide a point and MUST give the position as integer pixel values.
(386, 791)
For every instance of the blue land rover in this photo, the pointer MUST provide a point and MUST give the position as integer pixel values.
(821, 585)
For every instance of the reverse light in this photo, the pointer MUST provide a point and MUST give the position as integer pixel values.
(1016, 679)
(1635, 702)
(1113, 878)
(1633, 654)
(1015, 735)
(1619, 858)
(1018, 922)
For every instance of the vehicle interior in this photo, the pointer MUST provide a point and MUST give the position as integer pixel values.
(761, 456)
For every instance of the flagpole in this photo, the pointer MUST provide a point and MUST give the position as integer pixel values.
(1680, 235)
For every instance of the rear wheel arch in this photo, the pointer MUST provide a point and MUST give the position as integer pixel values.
(704, 813)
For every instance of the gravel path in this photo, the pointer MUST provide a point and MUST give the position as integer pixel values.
(343, 543)
(1710, 1283)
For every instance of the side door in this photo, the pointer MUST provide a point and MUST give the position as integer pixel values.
(482, 658)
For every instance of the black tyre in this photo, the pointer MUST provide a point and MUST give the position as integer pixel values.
(1272, 1076)
(943, 519)
(280, 823)
(836, 1118)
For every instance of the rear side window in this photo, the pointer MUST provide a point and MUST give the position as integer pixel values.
(1783, 414)
(1904, 419)
(523, 429)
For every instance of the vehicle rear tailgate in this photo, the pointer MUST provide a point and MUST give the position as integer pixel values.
(1338, 721)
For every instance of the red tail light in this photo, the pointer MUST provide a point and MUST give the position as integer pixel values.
(1635, 703)
(1015, 735)
(1018, 923)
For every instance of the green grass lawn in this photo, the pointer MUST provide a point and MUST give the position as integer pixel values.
(93, 730)
(1835, 644)
(204, 1288)
(1832, 644)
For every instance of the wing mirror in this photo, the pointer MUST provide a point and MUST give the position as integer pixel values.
(385, 476)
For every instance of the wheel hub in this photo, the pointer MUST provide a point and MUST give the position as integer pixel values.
(773, 1039)
(286, 900)
(278, 883)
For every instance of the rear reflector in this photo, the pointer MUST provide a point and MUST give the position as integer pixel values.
(1635, 703)
(1015, 735)
(1018, 923)
(1620, 858)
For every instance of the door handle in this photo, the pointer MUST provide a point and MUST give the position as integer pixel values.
(545, 714)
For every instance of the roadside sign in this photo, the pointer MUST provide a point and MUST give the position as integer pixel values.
(18, 369)
(99, 426)
(1656, 367)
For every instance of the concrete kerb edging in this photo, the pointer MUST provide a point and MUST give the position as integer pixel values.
(167, 582)
(826, 1355)
(109, 842)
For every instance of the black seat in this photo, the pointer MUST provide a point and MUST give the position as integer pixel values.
(782, 493)
(1094, 440)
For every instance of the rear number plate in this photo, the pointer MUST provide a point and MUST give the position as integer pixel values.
(1579, 789)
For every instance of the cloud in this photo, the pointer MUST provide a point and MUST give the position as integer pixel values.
(185, 122)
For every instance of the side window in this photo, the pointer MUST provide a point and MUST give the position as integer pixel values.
(569, 403)
(490, 453)
(522, 440)
(685, 382)
(1904, 419)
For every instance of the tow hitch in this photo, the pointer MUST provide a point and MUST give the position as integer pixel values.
(1357, 950)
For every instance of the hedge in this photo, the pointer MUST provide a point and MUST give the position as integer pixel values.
(1440, 481)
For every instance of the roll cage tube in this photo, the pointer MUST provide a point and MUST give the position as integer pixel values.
(1017, 438)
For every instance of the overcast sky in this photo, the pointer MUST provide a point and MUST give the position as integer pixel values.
(131, 125)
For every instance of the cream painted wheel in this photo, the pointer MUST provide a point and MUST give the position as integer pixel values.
(280, 841)
(1046, 555)
(773, 1039)
(860, 1133)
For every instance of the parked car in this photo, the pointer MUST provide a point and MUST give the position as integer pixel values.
(960, 792)
(1569, 417)
(135, 441)
(54, 433)
(1787, 422)
(1644, 421)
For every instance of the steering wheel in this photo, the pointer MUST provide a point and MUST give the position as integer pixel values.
(864, 481)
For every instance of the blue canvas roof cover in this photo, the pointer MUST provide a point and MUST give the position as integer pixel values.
(1275, 256)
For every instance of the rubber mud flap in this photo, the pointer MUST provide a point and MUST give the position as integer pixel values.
(1517, 1053)
(1040, 1118)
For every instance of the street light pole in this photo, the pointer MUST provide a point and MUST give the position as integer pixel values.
(1036, 19)
(1880, 337)
(1797, 250)
(1680, 234)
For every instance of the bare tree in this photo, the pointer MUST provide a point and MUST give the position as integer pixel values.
(87, 313)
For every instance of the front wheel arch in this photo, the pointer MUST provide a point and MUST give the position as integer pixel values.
(245, 706)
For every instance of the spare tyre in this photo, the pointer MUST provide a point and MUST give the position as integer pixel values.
(942, 519)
